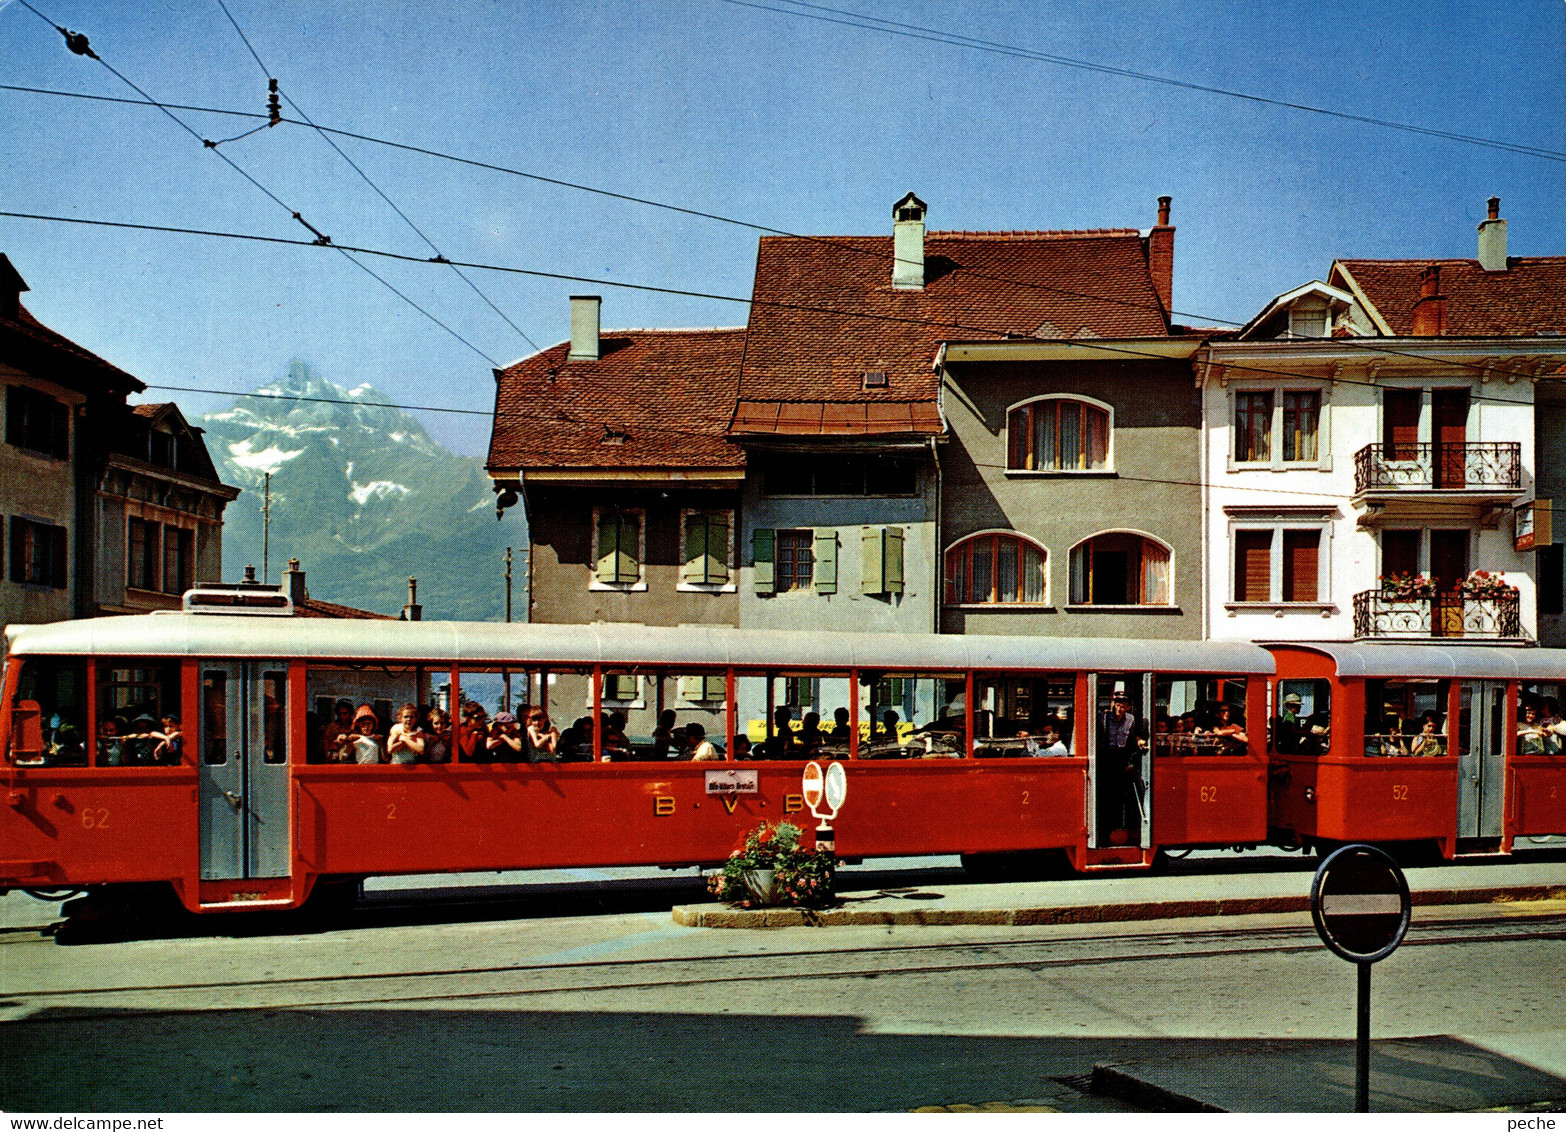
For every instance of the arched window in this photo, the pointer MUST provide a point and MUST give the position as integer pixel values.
(1057, 434)
(995, 569)
(1120, 568)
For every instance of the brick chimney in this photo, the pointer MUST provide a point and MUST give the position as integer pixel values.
(1492, 239)
(585, 310)
(1160, 256)
(908, 244)
(1430, 311)
(11, 287)
(294, 583)
(413, 611)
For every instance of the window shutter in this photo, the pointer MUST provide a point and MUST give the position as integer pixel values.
(871, 544)
(717, 560)
(1301, 554)
(689, 688)
(695, 549)
(608, 545)
(716, 688)
(824, 549)
(762, 541)
(892, 568)
(1252, 565)
(618, 536)
(628, 566)
(57, 557)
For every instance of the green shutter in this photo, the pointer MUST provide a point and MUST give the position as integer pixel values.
(892, 569)
(871, 540)
(628, 567)
(695, 549)
(608, 546)
(824, 549)
(717, 688)
(689, 688)
(717, 554)
(762, 541)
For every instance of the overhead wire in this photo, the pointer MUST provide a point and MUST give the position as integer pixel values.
(78, 44)
(825, 241)
(326, 137)
(846, 18)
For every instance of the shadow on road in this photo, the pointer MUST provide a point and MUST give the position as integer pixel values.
(461, 1059)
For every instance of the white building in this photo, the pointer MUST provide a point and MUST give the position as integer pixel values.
(1365, 444)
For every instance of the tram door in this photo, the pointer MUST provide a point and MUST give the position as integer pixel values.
(1120, 766)
(244, 771)
(1481, 759)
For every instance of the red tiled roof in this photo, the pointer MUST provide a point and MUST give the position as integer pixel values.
(836, 418)
(30, 345)
(310, 607)
(1528, 298)
(149, 410)
(978, 286)
(653, 399)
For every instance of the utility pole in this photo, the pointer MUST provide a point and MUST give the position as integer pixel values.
(506, 695)
(266, 534)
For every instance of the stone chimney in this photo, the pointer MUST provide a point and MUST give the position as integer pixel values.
(11, 287)
(1160, 256)
(294, 583)
(1430, 311)
(1492, 239)
(584, 327)
(413, 611)
(908, 244)
(250, 576)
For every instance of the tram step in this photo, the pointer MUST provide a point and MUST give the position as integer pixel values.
(228, 905)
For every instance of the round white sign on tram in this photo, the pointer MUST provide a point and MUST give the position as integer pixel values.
(836, 787)
(811, 788)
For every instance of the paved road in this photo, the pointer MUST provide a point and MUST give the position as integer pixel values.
(566, 1001)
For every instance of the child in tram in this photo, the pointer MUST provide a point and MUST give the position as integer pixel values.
(170, 748)
(664, 745)
(406, 741)
(337, 736)
(364, 744)
(505, 739)
(1429, 742)
(471, 736)
(543, 740)
(1228, 731)
(109, 746)
(437, 741)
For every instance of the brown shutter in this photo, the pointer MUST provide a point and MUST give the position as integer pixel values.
(1252, 565)
(1400, 423)
(1301, 553)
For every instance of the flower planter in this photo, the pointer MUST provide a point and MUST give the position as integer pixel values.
(763, 885)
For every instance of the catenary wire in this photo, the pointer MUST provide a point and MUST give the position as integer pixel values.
(327, 138)
(320, 238)
(1119, 352)
(845, 18)
(821, 240)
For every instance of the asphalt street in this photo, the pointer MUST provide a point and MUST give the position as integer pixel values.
(573, 993)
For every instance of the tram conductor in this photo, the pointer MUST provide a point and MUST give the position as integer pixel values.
(1119, 769)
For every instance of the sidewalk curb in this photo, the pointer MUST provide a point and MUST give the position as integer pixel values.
(718, 916)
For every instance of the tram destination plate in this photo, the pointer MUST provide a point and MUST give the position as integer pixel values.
(733, 782)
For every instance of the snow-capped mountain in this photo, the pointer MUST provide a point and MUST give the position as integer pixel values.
(363, 498)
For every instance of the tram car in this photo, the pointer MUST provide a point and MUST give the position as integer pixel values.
(245, 758)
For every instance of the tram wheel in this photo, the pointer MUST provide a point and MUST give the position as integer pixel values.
(53, 895)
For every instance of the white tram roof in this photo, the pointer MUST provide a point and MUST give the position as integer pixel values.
(1474, 662)
(487, 642)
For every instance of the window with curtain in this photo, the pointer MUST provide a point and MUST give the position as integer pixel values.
(1120, 569)
(1301, 411)
(1253, 427)
(1057, 434)
(995, 569)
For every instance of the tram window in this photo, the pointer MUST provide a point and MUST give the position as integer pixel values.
(138, 714)
(214, 718)
(1406, 717)
(1022, 716)
(912, 715)
(54, 735)
(1303, 725)
(274, 735)
(794, 716)
(344, 695)
(1540, 729)
(1199, 715)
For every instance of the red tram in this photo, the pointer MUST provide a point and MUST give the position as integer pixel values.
(1101, 752)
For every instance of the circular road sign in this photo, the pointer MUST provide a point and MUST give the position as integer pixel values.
(836, 786)
(811, 788)
(1359, 900)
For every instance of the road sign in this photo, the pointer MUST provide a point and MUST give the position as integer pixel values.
(1360, 903)
(1359, 900)
(836, 787)
(812, 785)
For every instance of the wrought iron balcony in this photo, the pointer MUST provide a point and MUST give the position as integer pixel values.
(1490, 467)
(1387, 615)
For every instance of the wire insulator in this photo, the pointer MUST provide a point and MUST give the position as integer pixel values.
(274, 108)
(78, 43)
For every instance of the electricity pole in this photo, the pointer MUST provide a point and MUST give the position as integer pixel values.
(266, 534)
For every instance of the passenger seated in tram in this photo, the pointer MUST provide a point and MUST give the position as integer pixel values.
(338, 732)
(139, 741)
(505, 739)
(437, 743)
(110, 746)
(365, 744)
(615, 744)
(664, 746)
(1229, 730)
(840, 726)
(1533, 737)
(1389, 742)
(810, 738)
(784, 744)
(1048, 744)
(1429, 743)
(742, 747)
(170, 748)
(576, 741)
(406, 741)
(472, 734)
(543, 740)
(888, 729)
(702, 750)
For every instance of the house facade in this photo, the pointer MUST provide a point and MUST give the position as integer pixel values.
(1369, 441)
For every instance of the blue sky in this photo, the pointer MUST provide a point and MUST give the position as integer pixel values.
(789, 122)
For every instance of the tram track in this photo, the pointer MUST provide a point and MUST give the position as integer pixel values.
(1188, 946)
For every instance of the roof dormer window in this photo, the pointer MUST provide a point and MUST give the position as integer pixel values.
(1308, 320)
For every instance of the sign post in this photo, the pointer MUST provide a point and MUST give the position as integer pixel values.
(827, 787)
(1360, 904)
